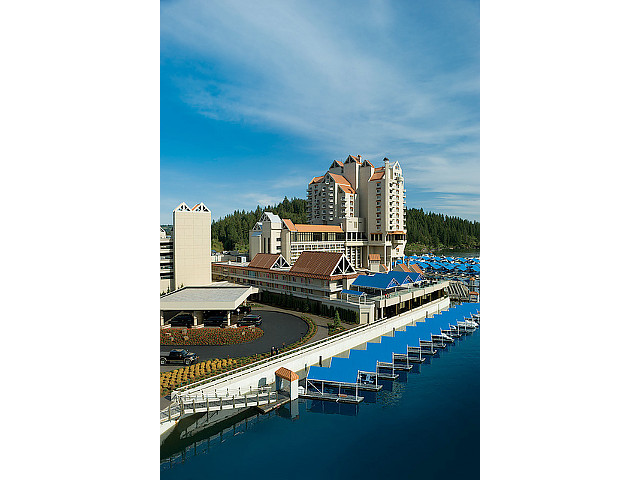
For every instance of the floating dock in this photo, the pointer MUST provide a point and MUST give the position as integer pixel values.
(364, 369)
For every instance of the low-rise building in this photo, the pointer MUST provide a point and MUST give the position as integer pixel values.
(327, 277)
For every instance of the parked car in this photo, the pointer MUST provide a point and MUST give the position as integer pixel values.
(182, 320)
(178, 356)
(215, 321)
(250, 320)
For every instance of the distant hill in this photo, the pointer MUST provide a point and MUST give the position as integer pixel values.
(425, 231)
(232, 231)
(435, 231)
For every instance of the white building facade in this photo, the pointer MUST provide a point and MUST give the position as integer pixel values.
(185, 257)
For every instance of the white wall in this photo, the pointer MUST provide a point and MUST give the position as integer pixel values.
(191, 248)
(265, 374)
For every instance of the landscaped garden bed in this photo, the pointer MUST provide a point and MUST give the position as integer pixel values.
(209, 336)
(202, 370)
(198, 371)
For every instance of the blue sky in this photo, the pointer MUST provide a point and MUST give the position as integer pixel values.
(250, 90)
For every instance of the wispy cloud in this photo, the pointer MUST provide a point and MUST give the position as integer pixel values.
(342, 78)
(216, 193)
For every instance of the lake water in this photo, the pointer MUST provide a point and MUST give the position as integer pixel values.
(426, 425)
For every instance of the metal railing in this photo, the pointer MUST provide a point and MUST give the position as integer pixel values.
(277, 358)
(403, 291)
(198, 403)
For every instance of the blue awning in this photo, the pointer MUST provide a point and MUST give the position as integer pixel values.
(379, 281)
(352, 292)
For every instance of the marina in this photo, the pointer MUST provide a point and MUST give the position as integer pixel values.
(442, 396)
(396, 353)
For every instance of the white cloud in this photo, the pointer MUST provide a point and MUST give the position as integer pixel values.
(464, 206)
(338, 78)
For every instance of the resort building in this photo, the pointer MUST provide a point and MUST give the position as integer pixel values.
(329, 278)
(185, 256)
(355, 209)
(316, 275)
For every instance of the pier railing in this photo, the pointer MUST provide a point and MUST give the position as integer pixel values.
(277, 358)
(274, 359)
(199, 403)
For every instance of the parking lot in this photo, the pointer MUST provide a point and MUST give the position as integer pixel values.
(278, 328)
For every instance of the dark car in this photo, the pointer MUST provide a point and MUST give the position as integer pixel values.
(178, 356)
(215, 321)
(243, 309)
(250, 320)
(182, 320)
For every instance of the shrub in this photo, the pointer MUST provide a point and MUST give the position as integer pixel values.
(211, 336)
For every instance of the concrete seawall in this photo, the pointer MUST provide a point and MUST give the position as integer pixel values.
(264, 374)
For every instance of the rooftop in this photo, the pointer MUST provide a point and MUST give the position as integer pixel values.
(264, 260)
(322, 263)
(211, 293)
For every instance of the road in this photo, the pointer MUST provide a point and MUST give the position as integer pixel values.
(278, 328)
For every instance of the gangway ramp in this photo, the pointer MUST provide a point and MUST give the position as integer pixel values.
(200, 403)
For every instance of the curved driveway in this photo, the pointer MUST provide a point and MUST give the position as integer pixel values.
(278, 328)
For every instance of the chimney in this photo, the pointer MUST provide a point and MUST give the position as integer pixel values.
(386, 162)
(359, 157)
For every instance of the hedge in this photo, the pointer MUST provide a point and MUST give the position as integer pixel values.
(209, 336)
(306, 305)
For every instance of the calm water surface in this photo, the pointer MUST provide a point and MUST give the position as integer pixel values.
(426, 425)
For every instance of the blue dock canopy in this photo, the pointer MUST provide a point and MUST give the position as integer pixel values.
(352, 292)
(379, 281)
(345, 370)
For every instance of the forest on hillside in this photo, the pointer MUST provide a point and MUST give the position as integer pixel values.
(232, 231)
(435, 231)
(425, 231)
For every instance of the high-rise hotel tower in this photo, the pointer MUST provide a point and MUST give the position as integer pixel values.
(354, 208)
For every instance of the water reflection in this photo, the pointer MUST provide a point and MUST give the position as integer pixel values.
(199, 434)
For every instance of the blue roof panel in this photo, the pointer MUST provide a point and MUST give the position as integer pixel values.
(352, 292)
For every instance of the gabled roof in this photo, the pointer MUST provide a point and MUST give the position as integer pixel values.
(415, 267)
(401, 267)
(323, 264)
(287, 374)
(380, 281)
(264, 260)
(289, 224)
(378, 173)
(347, 188)
(351, 158)
(415, 276)
(200, 207)
(401, 277)
(339, 179)
(270, 217)
(317, 179)
(183, 207)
